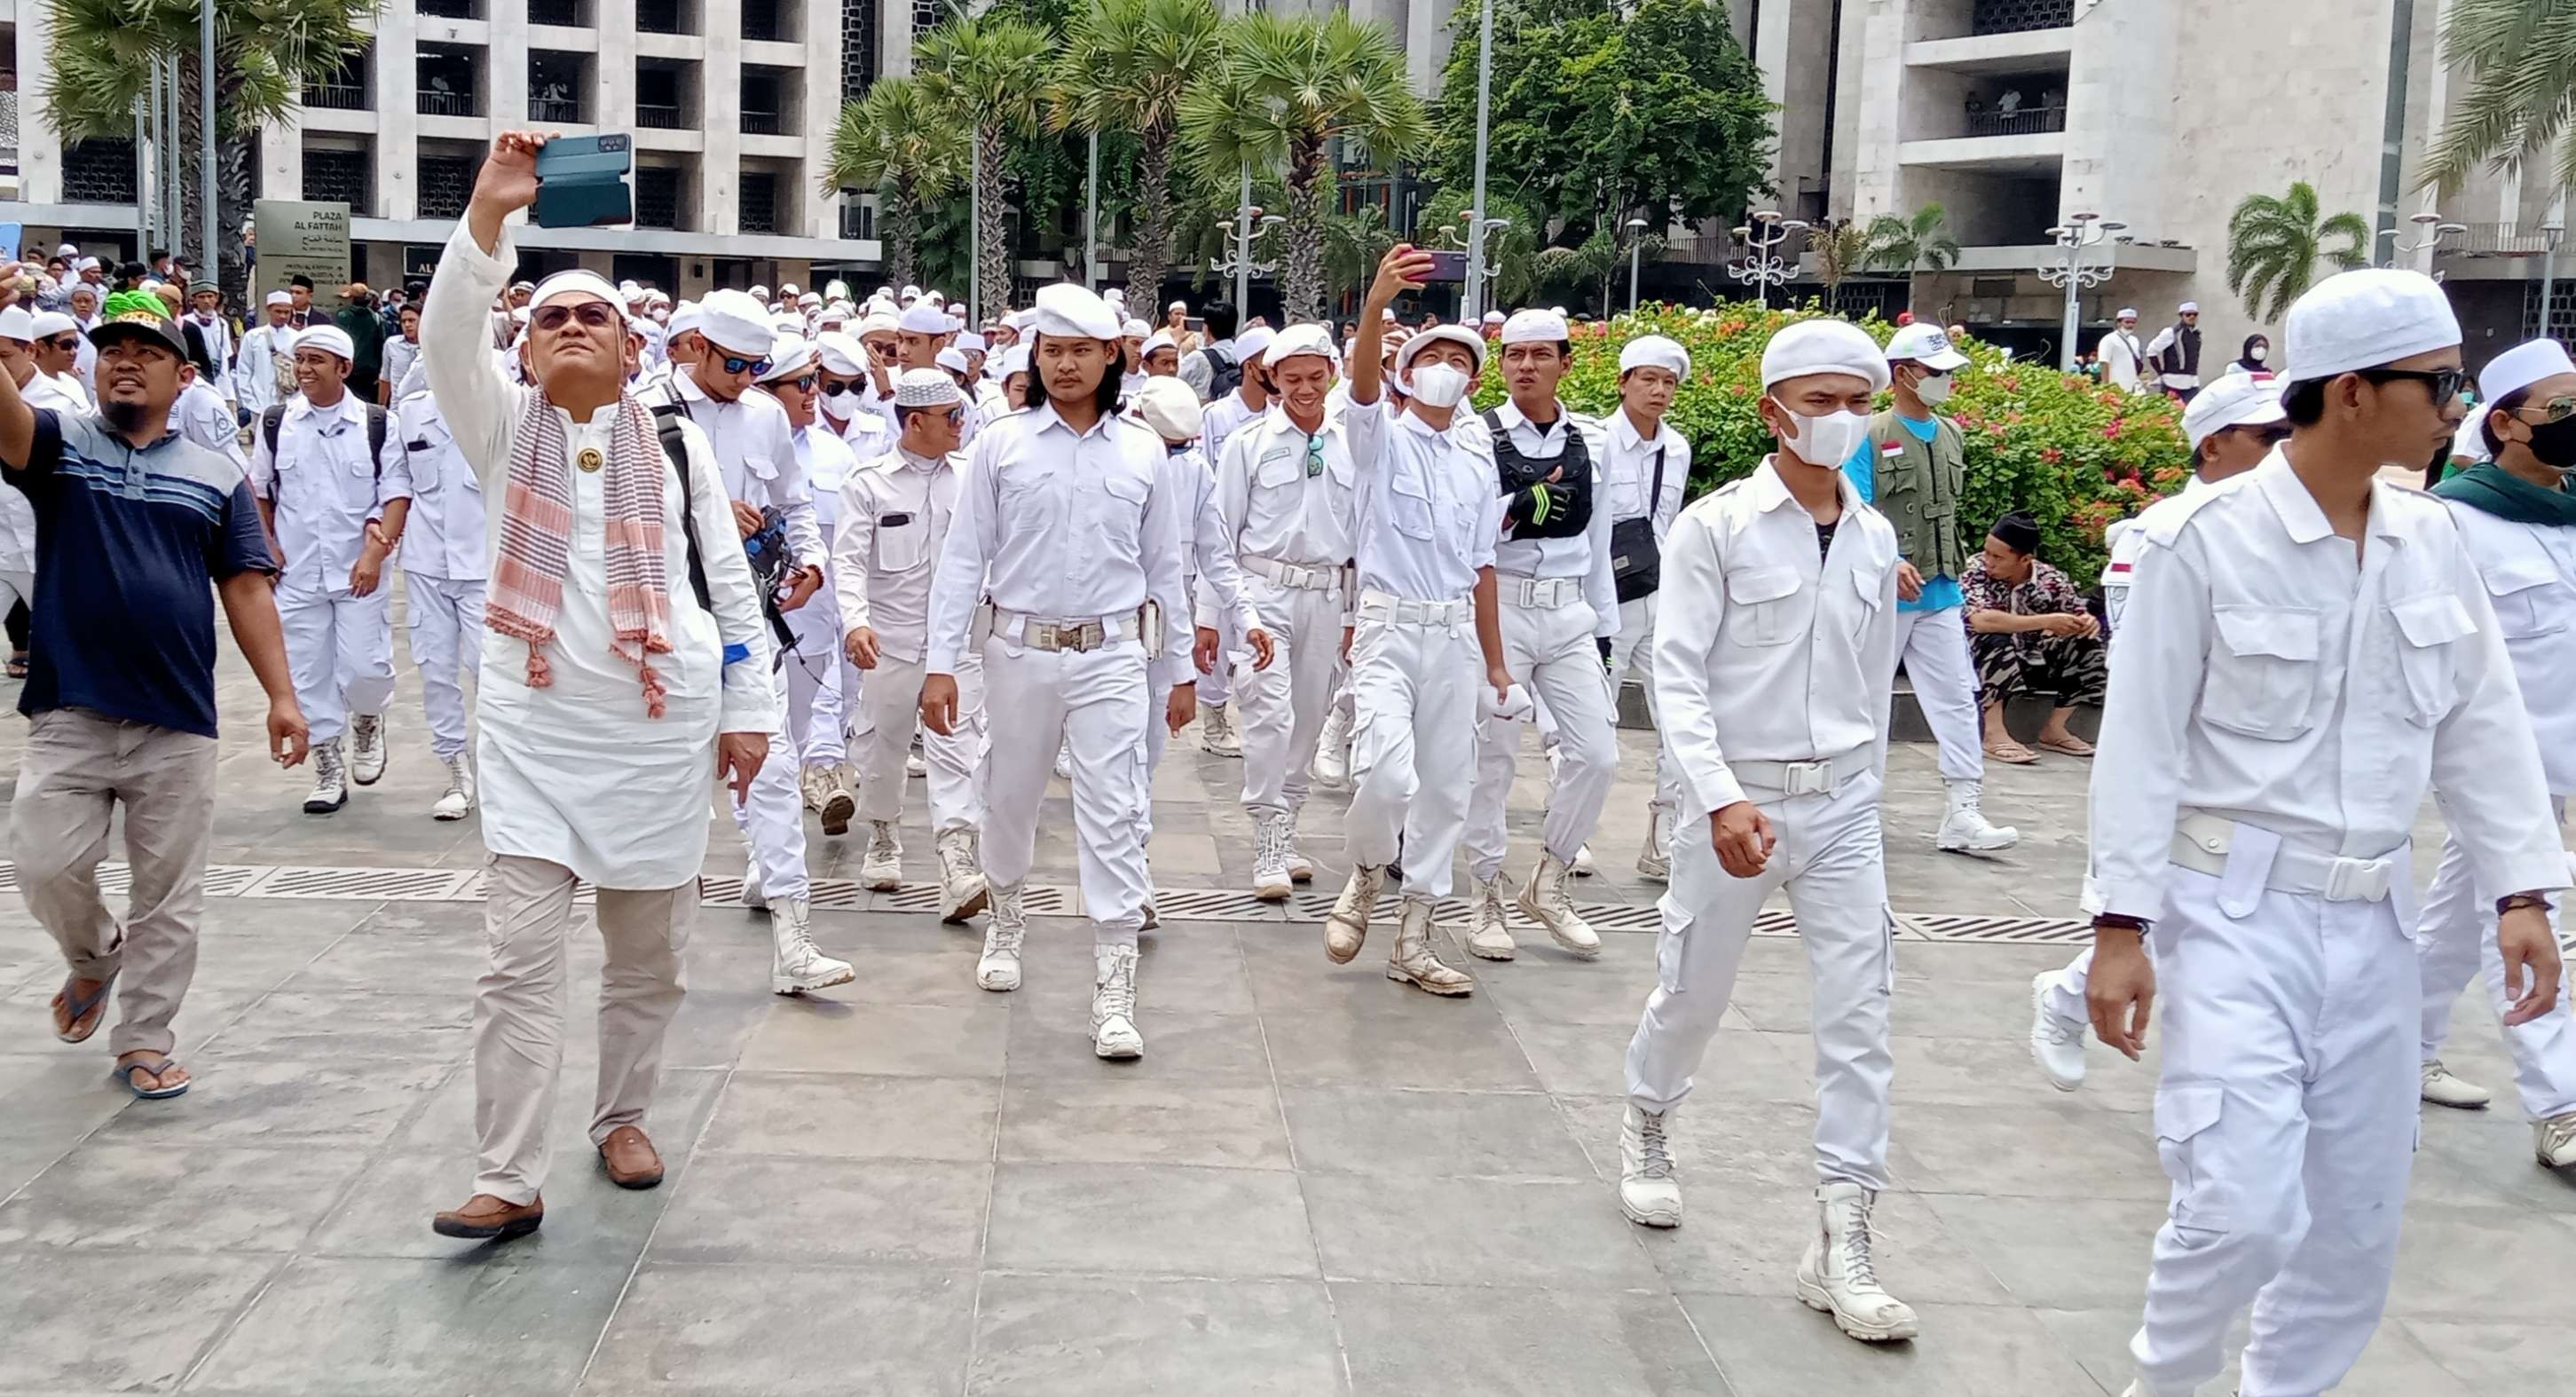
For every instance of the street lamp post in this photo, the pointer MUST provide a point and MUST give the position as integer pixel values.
(1636, 244)
(2434, 230)
(1763, 267)
(1246, 226)
(1473, 298)
(1091, 222)
(2081, 232)
(1465, 235)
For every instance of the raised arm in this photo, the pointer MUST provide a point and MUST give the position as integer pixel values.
(455, 321)
(1402, 269)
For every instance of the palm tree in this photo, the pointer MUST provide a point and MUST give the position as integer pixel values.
(1284, 89)
(896, 141)
(1125, 65)
(1511, 251)
(1354, 243)
(982, 71)
(2520, 62)
(1592, 263)
(1913, 243)
(1842, 250)
(100, 64)
(2273, 246)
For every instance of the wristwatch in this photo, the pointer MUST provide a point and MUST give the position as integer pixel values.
(2510, 901)
(2121, 920)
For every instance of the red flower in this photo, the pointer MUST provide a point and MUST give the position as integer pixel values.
(2051, 455)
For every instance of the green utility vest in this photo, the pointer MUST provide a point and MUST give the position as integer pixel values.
(1917, 487)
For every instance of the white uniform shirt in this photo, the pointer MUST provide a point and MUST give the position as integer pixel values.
(866, 435)
(2530, 575)
(218, 336)
(17, 512)
(828, 462)
(443, 536)
(399, 354)
(1628, 469)
(206, 419)
(323, 485)
(1768, 648)
(756, 453)
(2121, 355)
(2267, 679)
(1586, 556)
(2470, 442)
(1223, 419)
(2127, 538)
(1429, 511)
(895, 512)
(255, 371)
(1208, 562)
(2156, 347)
(1057, 524)
(1273, 507)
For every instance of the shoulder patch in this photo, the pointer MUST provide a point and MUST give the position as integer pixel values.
(2163, 522)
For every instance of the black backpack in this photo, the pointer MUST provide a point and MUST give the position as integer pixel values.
(1225, 372)
(666, 422)
(375, 431)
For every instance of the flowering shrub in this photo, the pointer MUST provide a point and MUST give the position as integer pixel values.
(2071, 453)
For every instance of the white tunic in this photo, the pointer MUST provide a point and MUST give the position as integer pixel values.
(577, 773)
(443, 535)
(255, 370)
(2530, 574)
(895, 512)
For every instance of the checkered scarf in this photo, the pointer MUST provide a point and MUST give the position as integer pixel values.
(536, 541)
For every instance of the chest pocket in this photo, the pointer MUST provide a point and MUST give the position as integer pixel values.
(903, 541)
(2263, 671)
(1870, 583)
(1281, 470)
(2530, 598)
(2428, 632)
(1766, 604)
(1030, 499)
(1115, 500)
(1409, 500)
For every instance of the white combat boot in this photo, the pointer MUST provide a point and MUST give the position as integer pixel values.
(881, 868)
(795, 966)
(1546, 901)
(1300, 868)
(832, 801)
(1331, 767)
(1655, 861)
(961, 880)
(1650, 1190)
(809, 784)
(458, 798)
(1412, 961)
(1964, 829)
(1348, 925)
(1488, 935)
(330, 780)
(2056, 1043)
(2554, 1141)
(1838, 1275)
(2443, 1088)
(998, 969)
(752, 896)
(367, 748)
(1216, 731)
(1270, 880)
(1113, 1003)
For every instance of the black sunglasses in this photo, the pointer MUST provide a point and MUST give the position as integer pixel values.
(64, 344)
(595, 315)
(801, 385)
(2444, 384)
(734, 365)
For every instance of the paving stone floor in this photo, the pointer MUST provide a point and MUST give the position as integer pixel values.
(1316, 1181)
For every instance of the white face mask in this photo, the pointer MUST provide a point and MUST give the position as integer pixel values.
(1439, 385)
(1934, 389)
(1826, 440)
(841, 403)
(2258, 353)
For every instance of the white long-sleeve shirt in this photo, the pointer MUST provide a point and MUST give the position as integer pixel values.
(1628, 469)
(1768, 648)
(2121, 356)
(322, 485)
(218, 336)
(1429, 508)
(1586, 555)
(443, 534)
(2530, 575)
(2267, 676)
(255, 368)
(1223, 418)
(1060, 524)
(895, 515)
(1209, 564)
(755, 451)
(1271, 506)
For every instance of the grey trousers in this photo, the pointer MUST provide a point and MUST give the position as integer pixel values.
(519, 1011)
(78, 767)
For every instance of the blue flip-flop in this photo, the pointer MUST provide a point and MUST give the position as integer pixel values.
(125, 1076)
(80, 1009)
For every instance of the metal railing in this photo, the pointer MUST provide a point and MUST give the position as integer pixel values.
(667, 118)
(763, 123)
(2019, 16)
(2025, 121)
(8, 132)
(2500, 240)
(564, 109)
(338, 96)
(436, 103)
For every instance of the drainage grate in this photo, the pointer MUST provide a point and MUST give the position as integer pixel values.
(1999, 930)
(1214, 905)
(385, 884)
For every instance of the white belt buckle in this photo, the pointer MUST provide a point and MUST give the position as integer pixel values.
(2357, 880)
(1080, 638)
(1807, 778)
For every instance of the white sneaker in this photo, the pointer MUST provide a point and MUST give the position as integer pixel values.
(913, 766)
(1064, 763)
(1348, 925)
(1650, 1192)
(1963, 827)
(1113, 1003)
(1489, 935)
(2554, 1141)
(1840, 1277)
(1331, 767)
(2444, 1089)
(367, 748)
(832, 800)
(795, 966)
(458, 798)
(1216, 731)
(1655, 861)
(1583, 865)
(1546, 901)
(881, 868)
(998, 969)
(1413, 962)
(2056, 1044)
(1270, 880)
(962, 892)
(752, 896)
(330, 780)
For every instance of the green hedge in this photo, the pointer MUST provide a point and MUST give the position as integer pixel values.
(2072, 454)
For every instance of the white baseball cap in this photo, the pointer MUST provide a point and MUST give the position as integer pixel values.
(2235, 400)
(1927, 344)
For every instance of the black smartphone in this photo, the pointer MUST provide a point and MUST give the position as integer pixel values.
(1448, 266)
(1196, 324)
(581, 182)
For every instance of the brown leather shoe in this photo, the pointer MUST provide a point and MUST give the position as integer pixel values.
(485, 1216)
(630, 1158)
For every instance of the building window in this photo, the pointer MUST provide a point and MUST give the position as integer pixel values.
(450, 9)
(346, 89)
(571, 14)
(99, 171)
(858, 221)
(338, 177)
(446, 182)
(645, 269)
(2019, 16)
(557, 86)
(765, 21)
(660, 192)
(758, 205)
(450, 81)
(2561, 314)
(665, 93)
(666, 16)
(2025, 106)
(927, 14)
(768, 103)
(858, 47)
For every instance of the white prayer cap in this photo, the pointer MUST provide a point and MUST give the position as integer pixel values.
(67, 250)
(653, 296)
(1160, 339)
(1169, 407)
(1114, 296)
(523, 286)
(2127, 313)
(1926, 343)
(1066, 309)
(761, 291)
(278, 298)
(2235, 400)
(87, 264)
(784, 323)
(1441, 334)
(1536, 327)
(737, 322)
(328, 338)
(1492, 317)
(926, 388)
(831, 315)
(2519, 368)
(923, 318)
(1299, 339)
(911, 291)
(49, 323)
(1178, 305)
(810, 298)
(786, 288)
(789, 358)
(969, 342)
(1655, 352)
(1132, 328)
(953, 361)
(841, 353)
(1020, 319)
(1560, 310)
(687, 317)
(2365, 319)
(17, 324)
(837, 289)
(2188, 308)
(579, 282)
(1014, 359)
(934, 297)
(1823, 346)
(629, 289)
(877, 323)
(1254, 343)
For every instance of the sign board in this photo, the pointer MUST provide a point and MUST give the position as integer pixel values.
(298, 238)
(13, 239)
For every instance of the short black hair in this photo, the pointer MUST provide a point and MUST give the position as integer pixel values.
(300, 280)
(1221, 318)
(2305, 402)
(1105, 397)
(2510, 402)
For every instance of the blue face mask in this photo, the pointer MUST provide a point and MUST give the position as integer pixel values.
(1175, 448)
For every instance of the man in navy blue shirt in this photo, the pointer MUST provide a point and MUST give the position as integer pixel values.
(134, 521)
